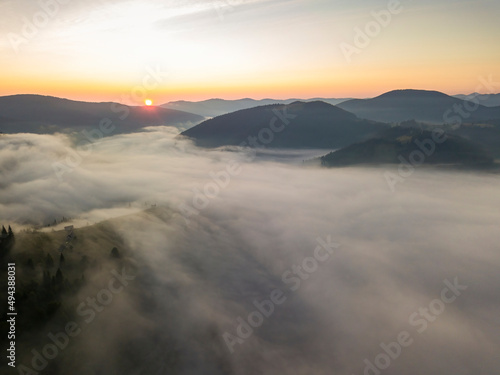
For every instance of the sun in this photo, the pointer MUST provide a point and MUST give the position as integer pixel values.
(148, 102)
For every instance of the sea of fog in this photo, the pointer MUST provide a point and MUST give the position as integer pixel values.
(298, 269)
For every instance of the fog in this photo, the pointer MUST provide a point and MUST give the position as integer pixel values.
(207, 252)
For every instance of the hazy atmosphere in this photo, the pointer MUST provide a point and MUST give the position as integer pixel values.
(249, 187)
(391, 255)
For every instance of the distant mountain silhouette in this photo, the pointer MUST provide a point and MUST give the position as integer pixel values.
(386, 148)
(316, 125)
(488, 100)
(47, 114)
(420, 105)
(217, 107)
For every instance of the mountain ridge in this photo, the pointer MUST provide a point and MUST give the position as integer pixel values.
(313, 125)
(216, 106)
(420, 105)
(47, 114)
(398, 144)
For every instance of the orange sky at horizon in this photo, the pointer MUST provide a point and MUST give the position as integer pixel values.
(346, 88)
(256, 49)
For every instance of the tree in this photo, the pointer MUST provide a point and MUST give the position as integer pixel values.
(30, 264)
(49, 262)
(6, 241)
(115, 253)
(59, 277)
(10, 237)
(61, 259)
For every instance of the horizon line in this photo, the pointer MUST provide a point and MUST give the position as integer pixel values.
(242, 98)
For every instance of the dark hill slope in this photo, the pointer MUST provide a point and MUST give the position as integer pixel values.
(420, 105)
(389, 146)
(46, 114)
(218, 107)
(315, 125)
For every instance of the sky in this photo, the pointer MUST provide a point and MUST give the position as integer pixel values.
(125, 51)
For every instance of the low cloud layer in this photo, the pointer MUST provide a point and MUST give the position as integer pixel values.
(398, 252)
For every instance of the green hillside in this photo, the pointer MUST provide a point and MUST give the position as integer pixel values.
(297, 125)
(399, 143)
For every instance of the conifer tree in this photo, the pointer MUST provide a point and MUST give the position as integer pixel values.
(59, 277)
(30, 264)
(49, 262)
(115, 253)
